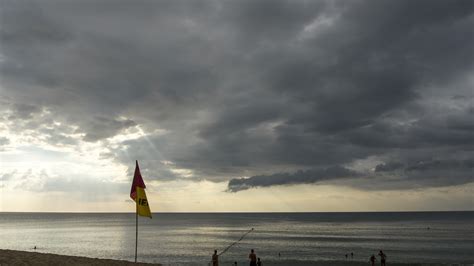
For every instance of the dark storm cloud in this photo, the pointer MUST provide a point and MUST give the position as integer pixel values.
(247, 88)
(422, 174)
(390, 166)
(387, 176)
(24, 111)
(300, 177)
(102, 127)
(451, 130)
(437, 165)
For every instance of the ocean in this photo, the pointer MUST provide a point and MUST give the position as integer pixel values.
(190, 238)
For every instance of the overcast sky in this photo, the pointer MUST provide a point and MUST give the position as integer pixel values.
(237, 105)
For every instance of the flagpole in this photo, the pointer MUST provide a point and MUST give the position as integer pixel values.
(136, 230)
(137, 193)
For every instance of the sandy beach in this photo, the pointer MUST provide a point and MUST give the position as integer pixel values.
(13, 257)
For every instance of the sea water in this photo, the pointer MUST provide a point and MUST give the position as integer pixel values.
(190, 238)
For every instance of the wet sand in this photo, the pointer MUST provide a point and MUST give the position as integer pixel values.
(13, 257)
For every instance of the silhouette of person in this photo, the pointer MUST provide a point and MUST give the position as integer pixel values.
(382, 258)
(235, 263)
(34, 247)
(259, 262)
(346, 256)
(372, 260)
(253, 258)
(279, 255)
(215, 259)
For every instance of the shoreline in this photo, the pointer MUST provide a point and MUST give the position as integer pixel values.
(16, 257)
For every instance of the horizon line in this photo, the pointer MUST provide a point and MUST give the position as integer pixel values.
(219, 212)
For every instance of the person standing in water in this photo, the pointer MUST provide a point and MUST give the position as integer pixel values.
(372, 260)
(259, 262)
(215, 259)
(382, 258)
(253, 258)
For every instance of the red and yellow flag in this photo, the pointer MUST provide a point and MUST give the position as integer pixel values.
(137, 193)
